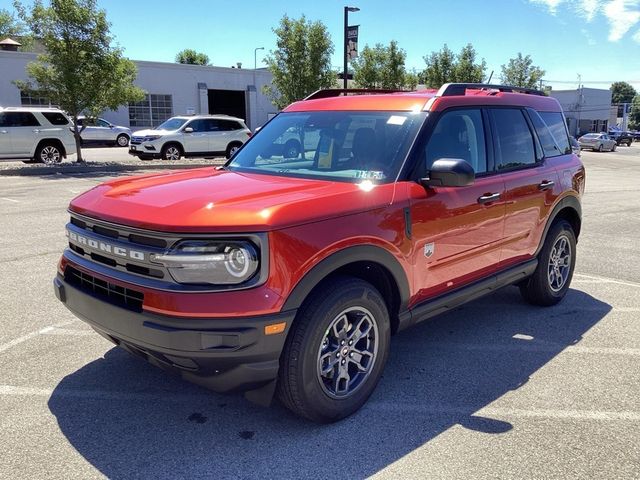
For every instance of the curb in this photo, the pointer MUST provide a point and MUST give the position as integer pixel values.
(65, 169)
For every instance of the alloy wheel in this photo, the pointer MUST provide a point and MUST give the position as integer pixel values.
(172, 153)
(559, 263)
(348, 352)
(50, 155)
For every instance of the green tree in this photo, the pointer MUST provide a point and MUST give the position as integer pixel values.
(80, 71)
(191, 57)
(521, 72)
(445, 66)
(381, 67)
(622, 92)
(12, 27)
(634, 115)
(301, 62)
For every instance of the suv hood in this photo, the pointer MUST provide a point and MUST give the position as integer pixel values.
(211, 200)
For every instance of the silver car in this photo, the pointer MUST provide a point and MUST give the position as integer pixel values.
(99, 131)
(597, 141)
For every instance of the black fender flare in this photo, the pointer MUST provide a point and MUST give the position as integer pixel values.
(358, 253)
(570, 201)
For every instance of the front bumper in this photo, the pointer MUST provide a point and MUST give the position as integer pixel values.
(230, 354)
(144, 150)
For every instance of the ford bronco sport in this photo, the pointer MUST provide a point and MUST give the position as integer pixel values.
(287, 276)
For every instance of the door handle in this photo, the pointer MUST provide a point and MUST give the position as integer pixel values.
(489, 197)
(3, 131)
(546, 185)
(35, 130)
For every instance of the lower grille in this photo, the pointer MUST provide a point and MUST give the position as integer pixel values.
(109, 292)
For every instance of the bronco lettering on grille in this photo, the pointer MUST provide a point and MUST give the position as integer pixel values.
(104, 247)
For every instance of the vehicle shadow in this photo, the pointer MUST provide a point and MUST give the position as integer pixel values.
(129, 419)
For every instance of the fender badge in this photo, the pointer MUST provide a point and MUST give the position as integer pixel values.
(429, 249)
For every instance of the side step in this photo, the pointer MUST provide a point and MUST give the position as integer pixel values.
(454, 299)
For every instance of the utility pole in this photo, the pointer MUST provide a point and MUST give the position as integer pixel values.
(625, 116)
(579, 104)
(345, 46)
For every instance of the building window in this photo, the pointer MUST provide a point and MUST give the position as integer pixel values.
(151, 111)
(34, 100)
(594, 126)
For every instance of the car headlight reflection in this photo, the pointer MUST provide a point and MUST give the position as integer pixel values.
(218, 262)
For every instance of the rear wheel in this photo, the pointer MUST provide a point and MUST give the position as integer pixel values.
(232, 148)
(613, 149)
(48, 153)
(122, 140)
(556, 262)
(335, 352)
(291, 149)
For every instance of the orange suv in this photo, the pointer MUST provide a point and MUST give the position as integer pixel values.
(287, 274)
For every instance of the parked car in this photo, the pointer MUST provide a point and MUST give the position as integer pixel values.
(99, 131)
(191, 136)
(597, 141)
(289, 275)
(35, 134)
(575, 146)
(621, 138)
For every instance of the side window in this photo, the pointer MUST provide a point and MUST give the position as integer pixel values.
(4, 122)
(229, 125)
(102, 123)
(558, 128)
(197, 125)
(514, 143)
(56, 118)
(459, 134)
(20, 119)
(547, 141)
(213, 125)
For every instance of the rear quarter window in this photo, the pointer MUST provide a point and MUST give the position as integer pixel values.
(558, 128)
(56, 118)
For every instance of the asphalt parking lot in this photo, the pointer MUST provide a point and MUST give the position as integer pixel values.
(496, 389)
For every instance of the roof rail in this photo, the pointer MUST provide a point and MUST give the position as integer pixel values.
(336, 92)
(455, 89)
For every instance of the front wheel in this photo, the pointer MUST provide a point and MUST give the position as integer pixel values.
(556, 262)
(336, 351)
(171, 152)
(600, 148)
(613, 148)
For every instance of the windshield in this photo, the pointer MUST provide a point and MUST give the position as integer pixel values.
(171, 124)
(592, 135)
(337, 145)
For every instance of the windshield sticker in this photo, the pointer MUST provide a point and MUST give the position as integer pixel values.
(370, 175)
(396, 120)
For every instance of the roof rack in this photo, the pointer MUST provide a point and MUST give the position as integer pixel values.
(455, 89)
(336, 92)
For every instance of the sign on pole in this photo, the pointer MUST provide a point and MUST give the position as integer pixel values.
(352, 42)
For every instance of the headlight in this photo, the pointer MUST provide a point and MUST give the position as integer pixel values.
(150, 138)
(214, 262)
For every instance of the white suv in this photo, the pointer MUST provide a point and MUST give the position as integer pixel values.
(35, 133)
(191, 136)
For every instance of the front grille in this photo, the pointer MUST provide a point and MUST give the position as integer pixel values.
(109, 292)
(136, 140)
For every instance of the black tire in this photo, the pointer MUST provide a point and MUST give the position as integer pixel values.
(540, 289)
(601, 148)
(122, 140)
(291, 149)
(302, 387)
(171, 151)
(613, 149)
(232, 148)
(48, 153)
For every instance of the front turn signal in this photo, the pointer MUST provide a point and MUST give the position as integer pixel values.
(275, 328)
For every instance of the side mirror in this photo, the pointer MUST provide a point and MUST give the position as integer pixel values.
(449, 172)
(188, 130)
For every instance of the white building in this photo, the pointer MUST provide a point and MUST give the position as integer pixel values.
(586, 109)
(172, 89)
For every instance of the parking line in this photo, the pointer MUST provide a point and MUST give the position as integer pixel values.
(608, 280)
(9, 199)
(17, 341)
(536, 347)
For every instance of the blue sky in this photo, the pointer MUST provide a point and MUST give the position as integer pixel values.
(598, 39)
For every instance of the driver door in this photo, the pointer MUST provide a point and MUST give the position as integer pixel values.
(198, 140)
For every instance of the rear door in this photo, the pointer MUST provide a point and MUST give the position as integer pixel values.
(457, 231)
(24, 130)
(531, 182)
(6, 144)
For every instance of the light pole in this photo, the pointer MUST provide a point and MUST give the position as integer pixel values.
(255, 64)
(345, 53)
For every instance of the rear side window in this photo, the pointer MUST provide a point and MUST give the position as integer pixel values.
(229, 125)
(459, 134)
(558, 128)
(18, 119)
(514, 143)
(56, 118)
